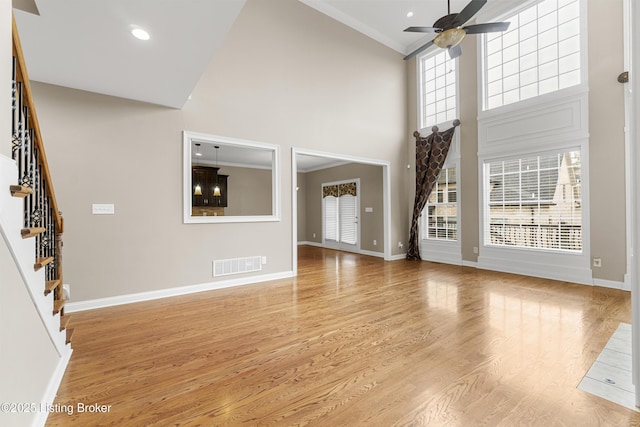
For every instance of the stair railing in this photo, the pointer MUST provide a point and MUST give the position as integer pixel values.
(42, 218)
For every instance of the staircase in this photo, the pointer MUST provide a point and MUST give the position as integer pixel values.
(29, 217)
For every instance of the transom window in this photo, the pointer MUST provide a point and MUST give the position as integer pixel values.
(440, 215)
(540, 53)
(437, 89)
(534, 202)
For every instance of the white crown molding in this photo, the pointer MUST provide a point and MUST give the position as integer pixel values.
(357, 25)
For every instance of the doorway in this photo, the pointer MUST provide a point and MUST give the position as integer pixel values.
(306, 161)
(340, 214)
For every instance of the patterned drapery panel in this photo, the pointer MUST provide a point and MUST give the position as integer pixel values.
(431, 152)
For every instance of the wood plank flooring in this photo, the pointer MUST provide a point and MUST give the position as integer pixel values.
(352, 341)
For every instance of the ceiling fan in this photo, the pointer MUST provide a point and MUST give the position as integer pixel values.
(451, 31)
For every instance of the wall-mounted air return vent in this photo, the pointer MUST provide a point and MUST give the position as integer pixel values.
(224, 267)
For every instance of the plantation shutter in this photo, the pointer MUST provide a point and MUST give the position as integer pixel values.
(348, 229)
(331, 218)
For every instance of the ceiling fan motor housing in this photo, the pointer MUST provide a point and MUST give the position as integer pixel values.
(445, 23)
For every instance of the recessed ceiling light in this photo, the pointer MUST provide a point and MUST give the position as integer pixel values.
(141, 34)
(409, 14)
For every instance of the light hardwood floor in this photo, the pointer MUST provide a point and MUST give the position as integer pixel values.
(352, 341)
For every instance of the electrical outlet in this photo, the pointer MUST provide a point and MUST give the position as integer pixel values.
(264, 260)
(314, 235)
(400, 245)
(475, 250)
(597, 262)
(375, 242)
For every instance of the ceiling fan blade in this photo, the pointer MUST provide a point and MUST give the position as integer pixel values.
(455, 51)
(418, 50)
(490, 27)
(423, 30)
(467, 13)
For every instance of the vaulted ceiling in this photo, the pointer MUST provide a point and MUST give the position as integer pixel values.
(88, 45)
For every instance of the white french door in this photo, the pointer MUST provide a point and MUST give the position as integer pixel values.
(340, 209)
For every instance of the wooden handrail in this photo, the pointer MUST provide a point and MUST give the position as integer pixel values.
(22, 76)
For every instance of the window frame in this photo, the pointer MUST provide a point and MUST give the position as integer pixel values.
(540, 98)
(445, 251)
(432, 53)
(487, 203)
(424, 226)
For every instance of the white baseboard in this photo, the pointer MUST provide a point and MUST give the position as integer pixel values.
(71, 307)
(372, 253)
(610, 284)
(52, 389)
(466, 263)
(316, 244)
(398, 257)
(361, 251)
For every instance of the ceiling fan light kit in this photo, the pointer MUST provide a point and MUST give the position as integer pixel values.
(449, 38)
(451, 31)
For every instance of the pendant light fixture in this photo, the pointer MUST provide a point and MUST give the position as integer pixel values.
(198, 190)
(216, 189)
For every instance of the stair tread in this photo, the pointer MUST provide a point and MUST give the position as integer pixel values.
(57, 305)
(50, 285)
(64, 322)
(33, 231)
(21, 191)
(41, 262)
(69, 335)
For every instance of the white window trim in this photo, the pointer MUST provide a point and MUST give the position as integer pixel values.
(540, 99)
(517, 130)
(550, 264)
(425, 130)
(444, 251)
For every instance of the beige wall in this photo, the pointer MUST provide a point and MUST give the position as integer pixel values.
(371, 223)
(249, 191)
(469, 213)
(287, 75)
(606, 143)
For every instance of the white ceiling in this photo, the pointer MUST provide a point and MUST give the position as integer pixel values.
(87, 44)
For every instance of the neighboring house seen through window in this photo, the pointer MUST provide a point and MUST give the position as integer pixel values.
(534, 202)
(440, 216)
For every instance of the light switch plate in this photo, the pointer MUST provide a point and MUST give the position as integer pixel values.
(368, 209)
(103, 209)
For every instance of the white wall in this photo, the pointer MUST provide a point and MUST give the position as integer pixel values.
(28, 358)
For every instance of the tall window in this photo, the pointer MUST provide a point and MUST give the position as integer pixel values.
(540, 53)
(534, 202)
(437, 89)
(440, 216)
